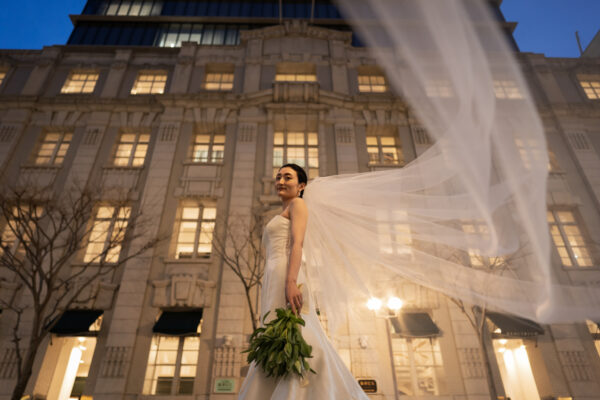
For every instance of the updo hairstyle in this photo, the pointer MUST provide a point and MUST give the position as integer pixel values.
(302, 177)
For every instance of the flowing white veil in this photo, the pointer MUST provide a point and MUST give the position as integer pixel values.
(467, 217)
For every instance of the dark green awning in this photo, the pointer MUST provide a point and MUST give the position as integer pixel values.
(178, 323)
(511, 325)
(75, 322)
(415, 325)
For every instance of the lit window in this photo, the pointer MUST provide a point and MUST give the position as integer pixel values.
(150, 82)
(439, 88)
(295, 72)
(219, 81)
(24, 221)
(507, 89)
(417, 364)
(300, 148)
(208, 147)
(591, 88)
(69, 358)
(80, 82)
(568, 239)
(384, 150)
(172, 364)
(533, 151)
(133, 7)
(195, 235)
(132, 149)
(296, 78)
(53, 148)
(2, 76)
(107, 234)
(393, 233)
(594, 328)
(371, 84)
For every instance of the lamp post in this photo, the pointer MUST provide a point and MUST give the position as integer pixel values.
(392, 309)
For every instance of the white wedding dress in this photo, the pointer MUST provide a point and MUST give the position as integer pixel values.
(333, 380)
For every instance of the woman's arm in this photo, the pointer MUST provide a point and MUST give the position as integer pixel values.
(298, 218)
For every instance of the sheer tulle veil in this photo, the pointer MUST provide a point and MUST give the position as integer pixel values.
(476, 196)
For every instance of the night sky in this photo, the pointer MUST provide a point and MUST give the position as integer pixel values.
(544, 26)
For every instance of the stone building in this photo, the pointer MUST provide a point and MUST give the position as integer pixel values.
(188, 106)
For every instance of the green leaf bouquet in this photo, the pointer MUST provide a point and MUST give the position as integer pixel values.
(279, 348)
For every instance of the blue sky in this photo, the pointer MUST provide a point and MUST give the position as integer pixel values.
(544, 26)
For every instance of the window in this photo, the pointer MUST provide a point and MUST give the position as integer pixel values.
(80, 82)
(172, 365)
(384, 150)
(532, 150)
(208, 147)
(439, 88)
(594, 329)
(131, 7)
(507, 89)
(568, 239)
(2, 76)
(591, 88)
(20, 219)
(296, 147)
(393, 233)
(219, 81)
(150, 82)
(107, 233)
(371, 84)
(132, 149)
(295, 72)
(196, 227)
(417, 364)
(53, 148)
(515, 369)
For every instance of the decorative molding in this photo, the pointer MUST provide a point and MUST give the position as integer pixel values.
(295, 28)
(576, 365)
(579, 141)
(8, 132)
(182, 290)
(471, 363)
(228, 360)
(91, 136)
(344, 134)
(420, 136)
(8, 363)
(115, 362)
(307, 92)
(247, 133)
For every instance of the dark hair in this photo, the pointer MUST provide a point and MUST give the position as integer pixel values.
(302, 178)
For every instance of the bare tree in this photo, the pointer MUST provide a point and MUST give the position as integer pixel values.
(240, 248)
(477, 315)
(44, 239)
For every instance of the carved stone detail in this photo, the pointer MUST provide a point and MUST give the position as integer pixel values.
(183, 290)
(7, 132)
(8, 363)
(471, 363)
(116, 361)
(576, 365)
(247, 133)
(344, 134)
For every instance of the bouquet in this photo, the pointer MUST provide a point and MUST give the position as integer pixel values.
(279, 348)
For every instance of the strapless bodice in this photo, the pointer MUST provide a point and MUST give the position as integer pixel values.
(276, 237)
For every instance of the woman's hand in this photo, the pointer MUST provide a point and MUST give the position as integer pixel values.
(293, 296)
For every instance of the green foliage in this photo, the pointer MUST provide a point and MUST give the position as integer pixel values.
(279, 348)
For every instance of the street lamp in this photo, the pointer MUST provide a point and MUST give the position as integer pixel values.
(374, 304)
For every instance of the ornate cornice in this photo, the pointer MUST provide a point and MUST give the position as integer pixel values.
(295, 28)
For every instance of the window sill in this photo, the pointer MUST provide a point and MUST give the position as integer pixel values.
(53, 167)
(195, 260)
(379, 165)
(192, 162)
(123, 167)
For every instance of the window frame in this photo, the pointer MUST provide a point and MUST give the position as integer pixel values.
(381, 162)
(56, 150)
(507, 89)
(371, 84)
(109, 232)
(295, 73)
(132, 153)
(200, 221)
(154, 73)
(4, 76)
(412, 366)
(306, 146)
(176, 378)
(210, 152)
(87, 74)
(577, 222)
(221, 84)
(591, 79)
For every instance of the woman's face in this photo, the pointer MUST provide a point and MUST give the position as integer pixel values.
(286, 183)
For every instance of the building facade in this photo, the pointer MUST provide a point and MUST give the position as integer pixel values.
(188, 107)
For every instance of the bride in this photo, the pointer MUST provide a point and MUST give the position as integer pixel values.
(283, 239)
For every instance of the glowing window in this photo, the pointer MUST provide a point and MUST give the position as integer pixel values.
(568, 239)
(295, 77)
(507, 89)
(80, 82)
(591, 88)
(2, 76)
(107, 234)
(439, 88)
(17, 229)
(300, 148)
(372, 84)
(219, 81)
(418, 366)
(384, 150)
(172, 364)
(150, 82)
(195, 235)
(53, 148)
(393, 233)
(131, 149)
(208, 147)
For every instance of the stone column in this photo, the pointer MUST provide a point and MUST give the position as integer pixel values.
(40, 73)
(116, 74)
